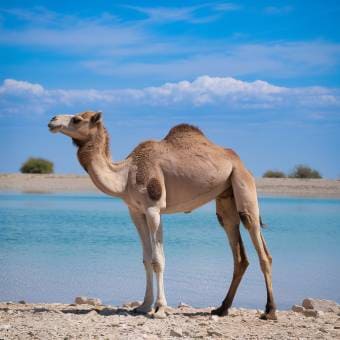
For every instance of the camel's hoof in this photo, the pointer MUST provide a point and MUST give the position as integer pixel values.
(269, 316)
(159, 313)
(142, 309)
(220, 311)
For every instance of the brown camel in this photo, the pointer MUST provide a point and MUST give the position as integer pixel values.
(180, 173)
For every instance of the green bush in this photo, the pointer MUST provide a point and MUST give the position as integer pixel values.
(37, 166)
(274, 174)
(304, 171)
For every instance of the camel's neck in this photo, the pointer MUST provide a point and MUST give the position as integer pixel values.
(94, 156)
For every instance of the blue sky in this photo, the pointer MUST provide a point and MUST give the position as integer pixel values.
(260, 77)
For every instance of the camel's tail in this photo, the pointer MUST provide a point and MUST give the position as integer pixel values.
(263, 225)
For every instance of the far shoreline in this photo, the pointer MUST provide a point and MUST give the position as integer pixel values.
(82, 184)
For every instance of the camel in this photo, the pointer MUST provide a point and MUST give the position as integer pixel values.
(180, 173)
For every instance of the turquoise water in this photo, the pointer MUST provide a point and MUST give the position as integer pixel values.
(58, 246)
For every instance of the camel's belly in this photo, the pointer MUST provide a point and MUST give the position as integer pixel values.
(188, 188)
(179, 205)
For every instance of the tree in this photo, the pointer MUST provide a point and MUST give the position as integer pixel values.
(304, 171)
(37, 166)
(274, 174)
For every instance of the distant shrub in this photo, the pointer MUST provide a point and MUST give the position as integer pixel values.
(304, 171)
(37, 166)
(274, 174)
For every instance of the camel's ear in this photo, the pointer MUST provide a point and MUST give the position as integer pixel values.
(97, 117)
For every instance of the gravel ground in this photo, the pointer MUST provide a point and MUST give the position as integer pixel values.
(62, 321)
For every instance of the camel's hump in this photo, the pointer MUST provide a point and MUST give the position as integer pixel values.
(182, 129)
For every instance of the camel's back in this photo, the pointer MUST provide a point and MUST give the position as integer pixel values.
(180, 137)
(183, 132)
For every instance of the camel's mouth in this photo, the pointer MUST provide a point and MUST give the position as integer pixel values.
(54, 128)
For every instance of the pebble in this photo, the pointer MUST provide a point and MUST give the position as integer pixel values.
(320, 305)
(132, 304)
(213, 332)
(115, 322)
(150, 337)
(214, 317)
(311, 313)
(297, 309)
(5, 327)
(323, 330)
(183, 305)
(178, 332)
(83, 300)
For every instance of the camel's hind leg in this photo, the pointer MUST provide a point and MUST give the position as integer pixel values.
(245, 195)
(229, 219)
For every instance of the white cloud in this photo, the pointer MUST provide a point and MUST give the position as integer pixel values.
(109, 46)
(205, 91)
(189, 14)
(19, 87)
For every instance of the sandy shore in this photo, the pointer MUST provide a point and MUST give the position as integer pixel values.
(79, 183)
(62, 321)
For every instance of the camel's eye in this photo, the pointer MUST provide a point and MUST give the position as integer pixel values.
(76, 120)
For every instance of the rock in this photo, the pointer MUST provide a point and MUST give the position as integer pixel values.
(178, 332)
(115, 322)
(83, 300)
(214, 317)
(150, 337)
(5, 327)
(22, 302)
(297, 309)
(91, 314)
(337, 327)
(234, 311)
(311, 313)
(132, 304)
(183, 305)
(323, 330)
(213, 332)
(321, 305)
(94, 302)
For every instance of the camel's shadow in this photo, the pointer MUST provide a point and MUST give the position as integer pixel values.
(106, 311)
(109, 311)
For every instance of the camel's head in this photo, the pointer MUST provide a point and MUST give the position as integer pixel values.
(79, 127)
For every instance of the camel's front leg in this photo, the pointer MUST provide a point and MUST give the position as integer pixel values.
(139, 220)
(158, 261)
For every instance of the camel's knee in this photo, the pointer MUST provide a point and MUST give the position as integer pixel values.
(266, 264)
(270, 259)
(244, 265)
(147, 256)
(240, 267)
(158, 266)
(228, 220)
(248, 220)
(147, 263)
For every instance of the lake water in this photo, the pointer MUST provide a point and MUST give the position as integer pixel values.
(54, 247)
